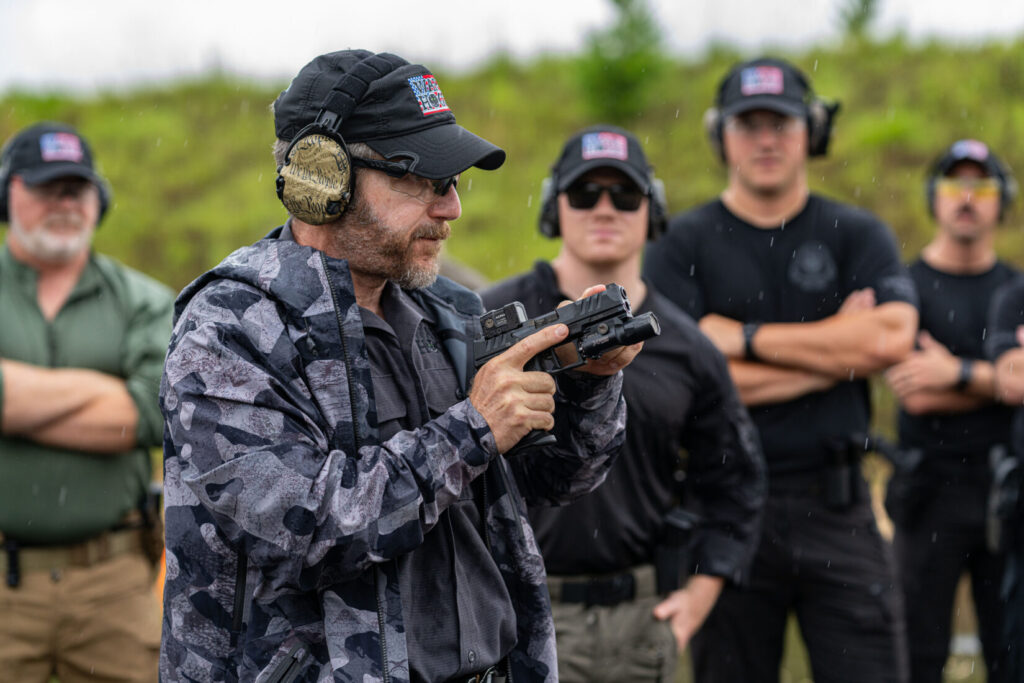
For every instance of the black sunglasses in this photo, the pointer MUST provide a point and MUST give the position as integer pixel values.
(586, 196)
(398, 170)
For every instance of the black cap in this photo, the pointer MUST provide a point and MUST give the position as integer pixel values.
(46, 151)
(764, 83)
(602, 146)
(402, 114)
(969, 150)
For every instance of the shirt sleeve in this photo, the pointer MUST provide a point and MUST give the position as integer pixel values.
(726, 470)
(670, 266)
(148, 330)
(874, 260)
(1005, 315)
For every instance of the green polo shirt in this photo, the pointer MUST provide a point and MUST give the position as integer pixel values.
(116, 321)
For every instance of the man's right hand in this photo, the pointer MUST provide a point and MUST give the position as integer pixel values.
(512, 401)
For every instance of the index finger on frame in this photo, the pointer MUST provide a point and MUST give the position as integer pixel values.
(525, 349)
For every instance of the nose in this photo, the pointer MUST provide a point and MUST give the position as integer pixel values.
(447, 207)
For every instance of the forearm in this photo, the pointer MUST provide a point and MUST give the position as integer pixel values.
(943, 401)
(761, 383)
(37, 398)
(848, 346)
(590, 420)
(105, 425)
(1009, 377)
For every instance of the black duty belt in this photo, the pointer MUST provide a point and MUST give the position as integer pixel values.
(606, 590)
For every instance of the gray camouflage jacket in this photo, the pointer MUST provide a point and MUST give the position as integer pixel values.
(284, 512)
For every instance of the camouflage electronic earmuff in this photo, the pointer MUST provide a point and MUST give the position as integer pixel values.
(315, 181)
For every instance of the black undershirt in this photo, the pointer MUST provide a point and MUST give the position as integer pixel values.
(954, 310)
(458, 615)
(710, 261)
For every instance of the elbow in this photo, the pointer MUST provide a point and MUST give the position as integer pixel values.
(895, 338)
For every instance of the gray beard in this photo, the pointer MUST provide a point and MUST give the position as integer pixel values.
(374, 248)
(47, 247)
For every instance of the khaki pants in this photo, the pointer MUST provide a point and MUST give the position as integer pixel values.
(98, 623)
(614, 644)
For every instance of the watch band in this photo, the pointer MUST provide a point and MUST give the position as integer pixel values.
(749, 330)
(966, 373)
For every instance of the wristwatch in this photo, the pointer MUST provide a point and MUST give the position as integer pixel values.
(749, 330)
(966, 372)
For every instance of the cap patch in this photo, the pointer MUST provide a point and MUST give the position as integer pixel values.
(60, 147)
(428, 94)
(605, 146)
(970, 149)
(761, 80)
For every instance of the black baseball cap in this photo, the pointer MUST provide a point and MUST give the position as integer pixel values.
(969, 150)
(602, 146)
(763, 83)
(403, 114)
(47, 151)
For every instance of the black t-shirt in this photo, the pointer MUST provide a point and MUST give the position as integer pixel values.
(710, 261)
(954, 310)
(681, 406)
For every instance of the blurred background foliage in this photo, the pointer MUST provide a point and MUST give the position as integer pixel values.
(193, 176)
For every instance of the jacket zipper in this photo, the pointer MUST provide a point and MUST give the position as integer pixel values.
(240, 579)
(358, 443)
(289, 668)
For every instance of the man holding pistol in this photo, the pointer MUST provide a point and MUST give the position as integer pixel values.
(338, 501)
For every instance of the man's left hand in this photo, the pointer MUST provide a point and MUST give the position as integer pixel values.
(611, 361)
(687, 608)
(725, 333)
(931, 368)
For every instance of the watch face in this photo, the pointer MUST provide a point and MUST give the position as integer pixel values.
(317, 179)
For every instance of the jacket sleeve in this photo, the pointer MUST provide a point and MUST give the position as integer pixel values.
(726, 472)
(149, 309)
(590, 421)
(247, 448)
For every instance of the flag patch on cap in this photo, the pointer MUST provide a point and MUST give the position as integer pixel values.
(605, 146)
(970, 149)
(428, 94)
(60, 147)
(761, 80)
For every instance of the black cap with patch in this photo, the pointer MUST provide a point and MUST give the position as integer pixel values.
(602, 146)
(45, 152)
(764, 83)
(403, 114)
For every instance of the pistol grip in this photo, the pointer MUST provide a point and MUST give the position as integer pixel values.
(535, 439)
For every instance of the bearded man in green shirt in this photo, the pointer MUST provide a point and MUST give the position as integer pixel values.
(82, 341)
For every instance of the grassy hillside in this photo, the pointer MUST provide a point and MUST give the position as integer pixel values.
(193, 177)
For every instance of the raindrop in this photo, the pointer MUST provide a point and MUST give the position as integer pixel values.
(469, 185)
(951, 315)
(158, 141)
(62, 496)
(529, 201)
(692, 268)
(259, 177)
(771, 241)
(677, 113)
(815, 69)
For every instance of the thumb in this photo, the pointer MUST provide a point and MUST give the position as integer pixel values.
(525, 349)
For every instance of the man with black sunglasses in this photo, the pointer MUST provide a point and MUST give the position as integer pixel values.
(806, 297)
(618, 559)
(949, 415)
(339, 501)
